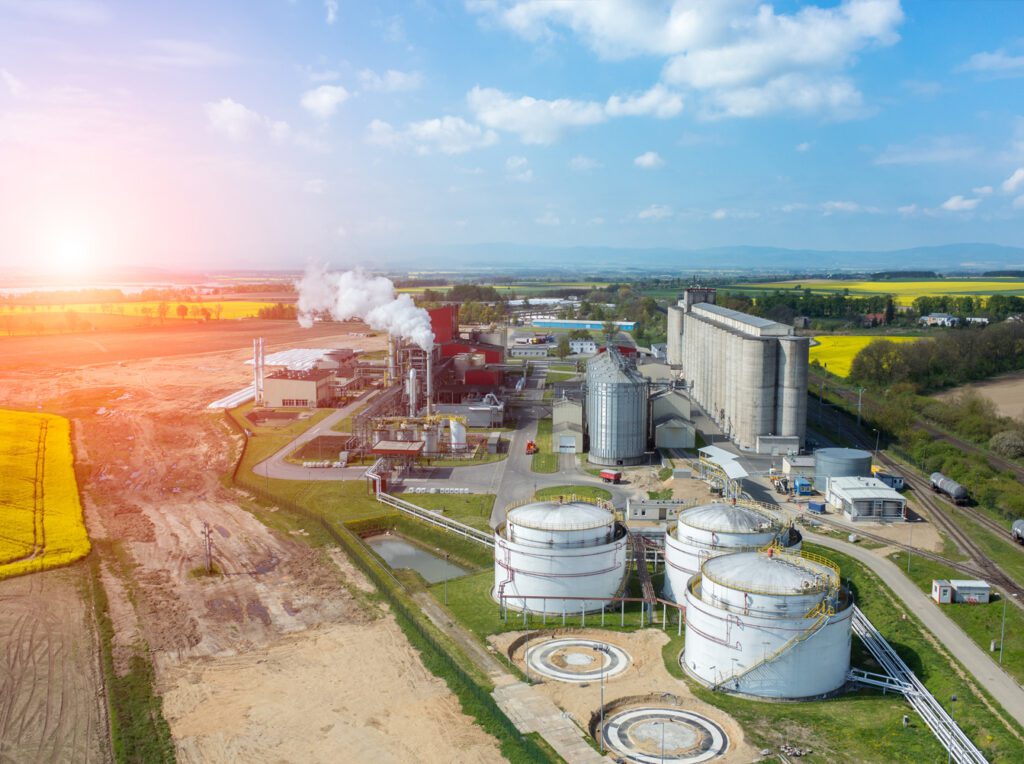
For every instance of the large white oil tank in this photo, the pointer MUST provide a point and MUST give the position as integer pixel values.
(715, 529)
(551, 558)
(839, 462)
(458, 434)
(768, 624)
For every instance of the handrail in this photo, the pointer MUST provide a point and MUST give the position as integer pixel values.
(813, 629)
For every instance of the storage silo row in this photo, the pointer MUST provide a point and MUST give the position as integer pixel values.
(712, 530)
(770, 624)
(616, 410)
(791, 406)
(551, 557)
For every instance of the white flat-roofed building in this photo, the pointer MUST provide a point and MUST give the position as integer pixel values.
(583, 347)
(798, 466)
(866, 498)
(973, 592)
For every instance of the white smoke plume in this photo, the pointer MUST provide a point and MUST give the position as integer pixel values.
(357, 294)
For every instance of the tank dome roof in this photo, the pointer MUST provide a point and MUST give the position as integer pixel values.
(760, 572)
(728, 518)
(552, 516)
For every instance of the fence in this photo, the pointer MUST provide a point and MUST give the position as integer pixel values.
(406, 615)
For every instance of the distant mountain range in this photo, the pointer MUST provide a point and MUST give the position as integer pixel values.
(503, 256)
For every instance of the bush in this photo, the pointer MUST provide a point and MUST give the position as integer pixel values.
(1009, 443)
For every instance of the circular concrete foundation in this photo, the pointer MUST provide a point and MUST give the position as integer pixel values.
(638, 735)
(576, 660)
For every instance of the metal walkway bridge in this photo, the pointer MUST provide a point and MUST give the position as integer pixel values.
(902, 679)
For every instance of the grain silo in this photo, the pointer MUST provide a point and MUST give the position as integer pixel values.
(839, 462)
(616, 410)
(550, 557)
(769, 624)
(711, 530)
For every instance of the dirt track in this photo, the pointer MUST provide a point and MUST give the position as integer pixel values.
(280, 620)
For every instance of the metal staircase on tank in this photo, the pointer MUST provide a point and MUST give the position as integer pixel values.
(640, 558)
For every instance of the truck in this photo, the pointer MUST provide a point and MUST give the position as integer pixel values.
(611, 476)
(531, 447)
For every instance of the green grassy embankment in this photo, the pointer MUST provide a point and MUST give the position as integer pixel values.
(544, 461)
(584, 492)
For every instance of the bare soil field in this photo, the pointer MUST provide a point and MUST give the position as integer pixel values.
(1005, 391)
(149, 460)
(51, 709)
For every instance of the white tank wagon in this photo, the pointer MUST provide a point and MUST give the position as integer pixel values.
(548, 555)
(711, 530)
(770, 624)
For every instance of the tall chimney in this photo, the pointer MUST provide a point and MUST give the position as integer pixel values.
(430, 382)
(390, 380)
(412, 393)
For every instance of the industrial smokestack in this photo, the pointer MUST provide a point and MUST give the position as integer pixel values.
(430, 382)
(411, 390)
(391, 376)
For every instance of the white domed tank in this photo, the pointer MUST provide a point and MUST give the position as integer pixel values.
(769, 624)
(711, 530)
(551, 557)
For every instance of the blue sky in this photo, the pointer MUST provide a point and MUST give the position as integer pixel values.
(270, 133)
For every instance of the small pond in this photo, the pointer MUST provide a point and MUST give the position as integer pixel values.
(399, 553)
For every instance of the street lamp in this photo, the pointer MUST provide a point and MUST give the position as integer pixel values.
(877, 436)
(1002, 630)
(910, 543)
(606, 652)
(662, 742)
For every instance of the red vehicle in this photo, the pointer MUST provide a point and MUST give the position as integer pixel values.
(531, 447)
(611, 476)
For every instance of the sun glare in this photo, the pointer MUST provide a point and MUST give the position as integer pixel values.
(71, 255)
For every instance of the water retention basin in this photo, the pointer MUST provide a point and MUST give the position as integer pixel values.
(399, 553)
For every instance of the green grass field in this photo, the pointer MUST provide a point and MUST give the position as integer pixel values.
(544, 460)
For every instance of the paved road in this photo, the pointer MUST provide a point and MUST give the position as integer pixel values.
(999, 684)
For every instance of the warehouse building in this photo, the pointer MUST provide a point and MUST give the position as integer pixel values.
(866, 498)
(749, 374)
(298, 388)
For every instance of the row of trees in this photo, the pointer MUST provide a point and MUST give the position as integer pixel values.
(948, 359)
(786, 305)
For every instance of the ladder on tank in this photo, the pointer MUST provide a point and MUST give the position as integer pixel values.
(824, 616)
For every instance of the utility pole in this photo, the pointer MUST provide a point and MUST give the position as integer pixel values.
(860, 394)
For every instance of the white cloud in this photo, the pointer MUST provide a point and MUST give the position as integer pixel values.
(232, 119)
(447, 135)
(721, 47)
(1018, 203)
(323, 101)
(392, 81)
(1015, 181)
(791, 94)
(996, 62)
(331, 11)
(720, 214)
(908, 210)
(658, 102)
(315, 186)
(518, 169)
(655, 212)
(932, 150)
(794, 207)
(982, 190)
(341, 232)
(830, 208)
(64, 11)
(14, 86)
(580, 163)
(959, 204)
(534, 120)
(649, 160)
(598, 220)
(922, 87)
(185, 54)
(549, 218)
(805, 146)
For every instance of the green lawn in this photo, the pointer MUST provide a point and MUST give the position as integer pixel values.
(544, 460)
(1009, 557)
(581, 491)
(561, 376)
(482, 457)
(472, 509)
(981, 622)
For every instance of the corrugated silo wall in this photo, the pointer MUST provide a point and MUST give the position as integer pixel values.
(616, 419)
(674, 335)
(757, 386)
(791, 408)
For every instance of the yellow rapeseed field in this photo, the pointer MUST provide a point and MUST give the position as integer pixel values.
(229, 309)
(836, 351)
(41, 524)
(905, 292)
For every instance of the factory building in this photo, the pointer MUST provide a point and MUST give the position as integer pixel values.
(711, 530)
(749, 374)
(553, 558)
(616, 410)
(298, 388)
(768, 624)
(866, 498)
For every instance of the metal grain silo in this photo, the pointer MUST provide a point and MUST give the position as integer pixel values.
(616, 410)
(839, 462)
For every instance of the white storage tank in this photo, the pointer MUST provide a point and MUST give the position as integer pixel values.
(550, 557)
(769, 624)
(839, 462)
(711, 530)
